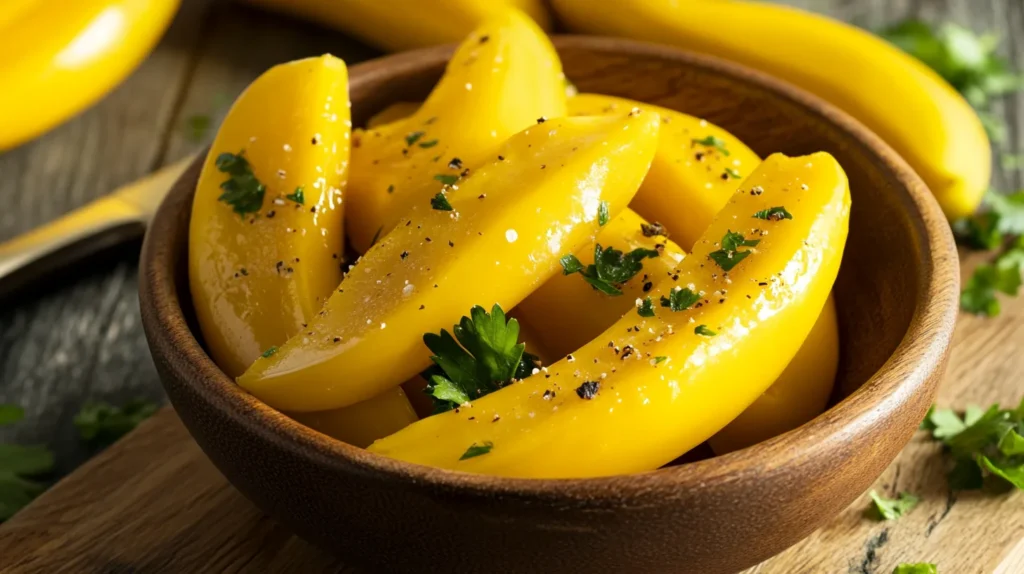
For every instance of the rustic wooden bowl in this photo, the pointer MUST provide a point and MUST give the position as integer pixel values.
(897, 295)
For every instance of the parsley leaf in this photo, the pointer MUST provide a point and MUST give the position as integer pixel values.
(1001, 276)
(440, 202)
(918, 568)
(733, 173)
(17, 464)
(680, 299)
(611, 267)
(989, 441)
(101, 424)
(428, 144)
(412, 137)
(269, 352)
(774, 214)
(297, 196)
(602, 214)
(704, 331)
(447, 179)
(475, 450)
(242, 191)
(893, 508)
(729, 255)
(481, 358)
(713, 142)
(645, 307)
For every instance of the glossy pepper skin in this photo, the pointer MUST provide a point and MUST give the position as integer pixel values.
(689, 181)
(643, 413)
(502, 79)
(511, 220)
(397, 25)
(256, 280)
(59, 59)
(920, 115)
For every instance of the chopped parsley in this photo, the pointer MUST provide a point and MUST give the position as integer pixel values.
(713, 142)
(440, 202)
(242, 191)
(611, 267)
(774, 214)
(476, 450)
(984, 442)
(917, 568)
(428, 144)
(653, 229)
(602, 214)
(999, 226)
(645, 308)
(447, 179)
(482, 357)
(101, 424)
(1001, 276)
(659, 359)
(732, 173)
(588, 390)
(729, 255)
(18, 463)
(680, 299)
(413, 137)
(269, 352)
(704, 331)
(893, 508)
(297, 196)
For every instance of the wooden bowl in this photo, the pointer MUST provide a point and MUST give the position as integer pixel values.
(897, 298)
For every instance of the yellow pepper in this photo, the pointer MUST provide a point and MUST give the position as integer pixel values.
(668, 382)
(397, 25)
(59, 59)
(910, 106)
(260, 271)
(509, 223)
(503, 78)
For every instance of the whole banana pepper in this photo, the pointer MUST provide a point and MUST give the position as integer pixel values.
(503, 78)
(265, 238)
(650, 388)
(906, 103)
(58, 60)
(491, 237)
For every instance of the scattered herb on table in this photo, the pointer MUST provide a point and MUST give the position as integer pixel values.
(18, 465)
(982, 442)
(893, 508)
(100, 424)
(610, 269)
(482, 357)
(242, 191)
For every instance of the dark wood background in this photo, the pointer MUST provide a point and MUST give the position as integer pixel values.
(78, 336)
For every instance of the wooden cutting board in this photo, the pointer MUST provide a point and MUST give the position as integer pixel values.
(153, 503)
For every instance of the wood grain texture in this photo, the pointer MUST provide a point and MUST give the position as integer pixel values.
(79, 337)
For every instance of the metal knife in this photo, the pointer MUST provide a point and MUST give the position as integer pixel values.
(117, 217)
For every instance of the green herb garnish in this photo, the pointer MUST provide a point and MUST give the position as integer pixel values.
(269, 352)
(242, 191)
(18, 464)
(732, 173)
(659, 359)
(774, 214)
(729, 255)
(101, 424)
(645, 308)
(482, 357)
(918, 568)
(602, 214)
(440, 202)
(297, 196)
(429, 144)
(447, 179)
(704, 331)
(713, 142)
(680, 299)
(982, 442)
(611, 267)
(412, 137)
(475, 450)
(893, 508)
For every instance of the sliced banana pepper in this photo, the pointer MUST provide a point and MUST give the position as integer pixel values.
(264, 259)
(494, 237)
(504, 77)
(666, 383)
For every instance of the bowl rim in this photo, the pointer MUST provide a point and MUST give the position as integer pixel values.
(907, 371)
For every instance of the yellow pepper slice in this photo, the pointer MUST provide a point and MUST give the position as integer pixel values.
(397, 25)
(620, 409)
(696, 169)
(59, 59)
(503, 78)
(566, 312)
(259, 278)
(511, 220)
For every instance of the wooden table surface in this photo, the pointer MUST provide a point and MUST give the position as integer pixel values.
(78, 337)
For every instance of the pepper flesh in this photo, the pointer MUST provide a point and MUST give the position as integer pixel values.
(258, 279)
(511, 221)
(646, 413)
(397, 25)
(503, 78)
(57, 61)
(921, 115)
